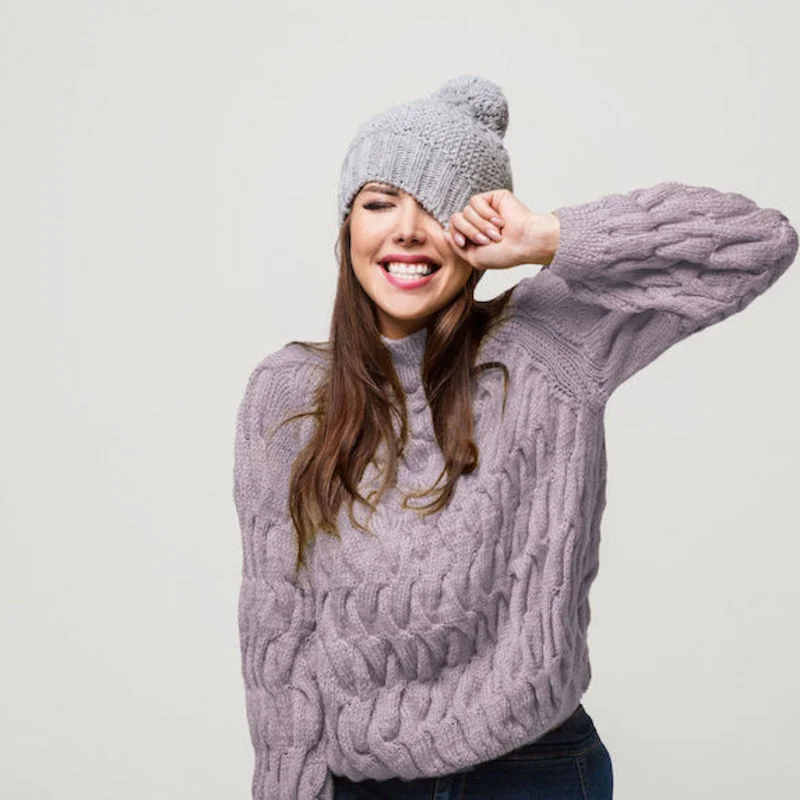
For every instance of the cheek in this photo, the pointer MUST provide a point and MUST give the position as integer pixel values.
(365, 245)
(361, 271)
(461, 272)
(359, 251)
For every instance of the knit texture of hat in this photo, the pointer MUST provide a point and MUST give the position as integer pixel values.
(442, 149)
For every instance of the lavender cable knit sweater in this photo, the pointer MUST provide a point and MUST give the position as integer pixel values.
(444, 642)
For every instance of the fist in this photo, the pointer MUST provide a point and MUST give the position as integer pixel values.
(496, 231)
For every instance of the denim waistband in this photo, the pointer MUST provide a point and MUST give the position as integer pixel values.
(570, 736)
(574, 728)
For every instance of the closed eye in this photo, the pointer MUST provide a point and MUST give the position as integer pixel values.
(377, 205)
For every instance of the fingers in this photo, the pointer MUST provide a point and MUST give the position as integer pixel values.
(484, 209)
(455, 239)
(472, 228)
(478, 222)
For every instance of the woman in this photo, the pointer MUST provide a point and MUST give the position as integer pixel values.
(397, 648)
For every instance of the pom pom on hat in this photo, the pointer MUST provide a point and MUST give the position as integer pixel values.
(481, 98)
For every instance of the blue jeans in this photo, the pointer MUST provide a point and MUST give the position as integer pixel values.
(569, 762)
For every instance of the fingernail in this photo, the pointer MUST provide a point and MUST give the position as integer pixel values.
(460, 239)
(497, 221)
(495, 234)
(482, 239)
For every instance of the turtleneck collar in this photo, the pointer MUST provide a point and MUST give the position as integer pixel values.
(407, 354)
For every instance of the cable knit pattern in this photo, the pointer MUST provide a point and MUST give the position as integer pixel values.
(444, 642)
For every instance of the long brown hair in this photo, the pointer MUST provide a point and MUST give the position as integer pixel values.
(355, 401)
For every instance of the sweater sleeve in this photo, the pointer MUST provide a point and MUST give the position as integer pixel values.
(645, 269)
(276, 614)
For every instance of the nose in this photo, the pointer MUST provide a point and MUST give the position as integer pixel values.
(410, 222)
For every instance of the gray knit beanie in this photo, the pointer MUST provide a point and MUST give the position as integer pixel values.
(441, 149)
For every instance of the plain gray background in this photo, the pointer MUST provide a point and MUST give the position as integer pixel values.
(169, 175)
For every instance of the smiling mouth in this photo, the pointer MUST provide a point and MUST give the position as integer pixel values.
(431, 268)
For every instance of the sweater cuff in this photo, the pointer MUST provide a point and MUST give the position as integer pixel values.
(581, 245)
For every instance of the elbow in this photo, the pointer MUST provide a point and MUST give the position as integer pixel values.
(785, 248)
(788, 242)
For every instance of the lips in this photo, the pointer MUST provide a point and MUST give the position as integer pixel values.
(409, 283)
(409, 258)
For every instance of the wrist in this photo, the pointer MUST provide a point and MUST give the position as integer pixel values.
(542, 236)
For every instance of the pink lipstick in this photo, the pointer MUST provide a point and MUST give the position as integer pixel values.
(414, 282)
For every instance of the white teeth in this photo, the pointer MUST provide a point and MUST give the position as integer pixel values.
(397, 268)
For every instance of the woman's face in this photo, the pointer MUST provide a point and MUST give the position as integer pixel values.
(388, 222)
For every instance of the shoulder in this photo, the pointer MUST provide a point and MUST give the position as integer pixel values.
(284, 380)
(542, 307)
(292, 357)
(547, 325)
(546, 297)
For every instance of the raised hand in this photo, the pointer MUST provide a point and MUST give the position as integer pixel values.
(496, 231)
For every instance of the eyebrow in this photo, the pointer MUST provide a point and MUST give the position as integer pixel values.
(385, 188)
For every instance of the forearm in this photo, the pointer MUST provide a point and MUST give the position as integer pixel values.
(635, 273)
(691, 250)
